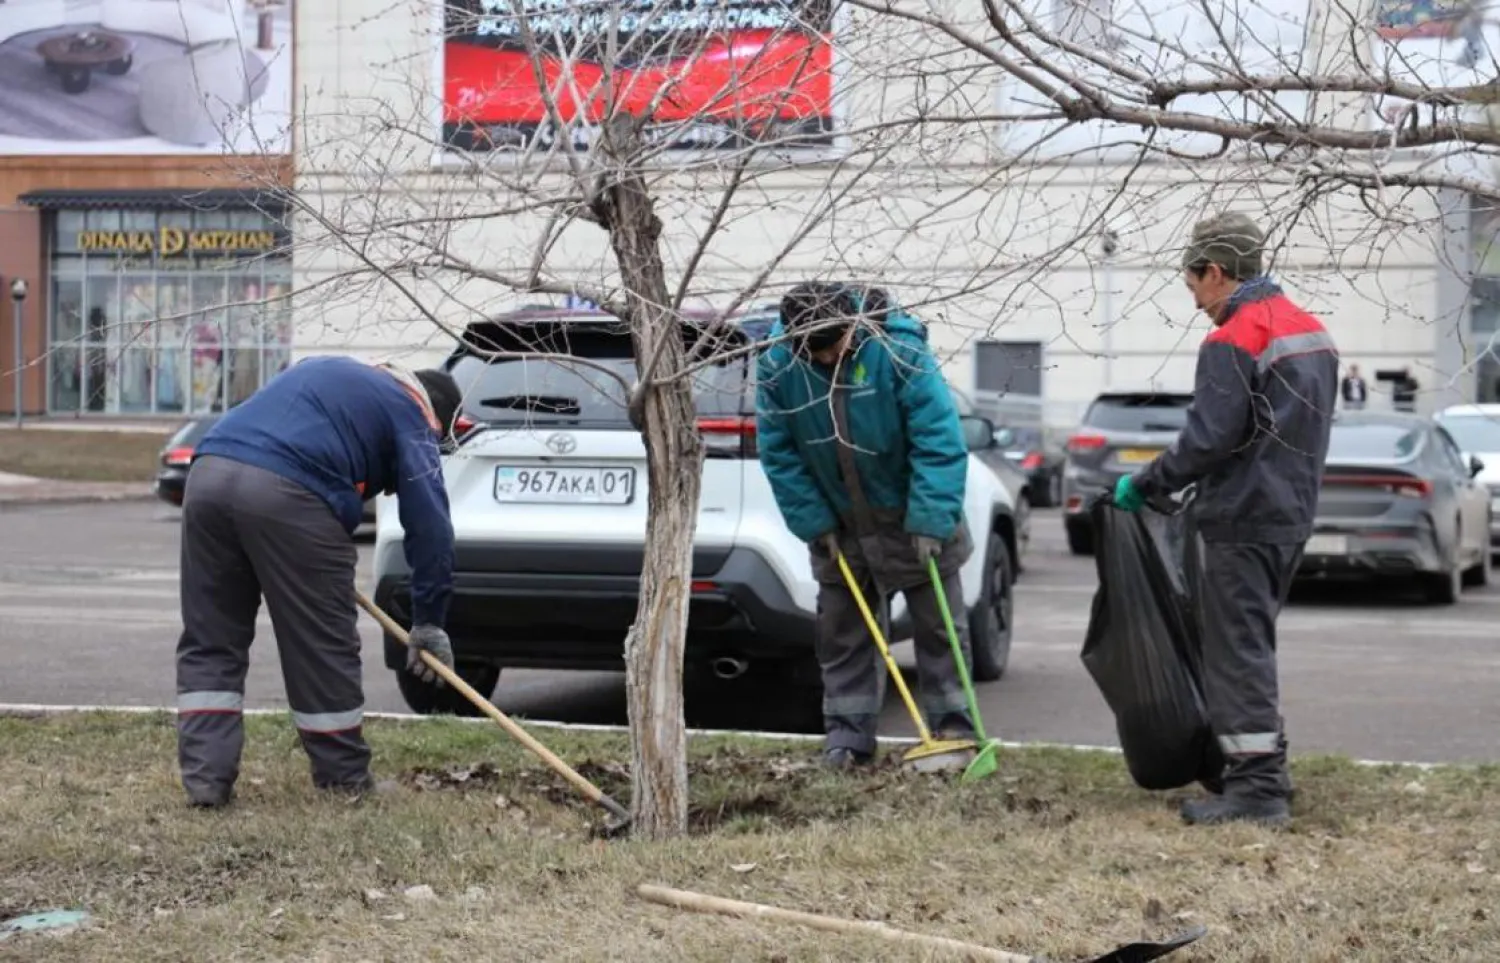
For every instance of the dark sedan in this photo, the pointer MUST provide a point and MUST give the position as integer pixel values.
(176, 456)
(1400, 502)
(1030, 450)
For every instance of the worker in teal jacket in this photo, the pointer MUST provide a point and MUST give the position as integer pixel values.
(862, 445)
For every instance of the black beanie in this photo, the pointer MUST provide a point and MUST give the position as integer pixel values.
(811, 305)
(443, 392)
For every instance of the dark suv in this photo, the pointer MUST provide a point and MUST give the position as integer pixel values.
(1120, 433)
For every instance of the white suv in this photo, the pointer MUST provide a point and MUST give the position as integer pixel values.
(548, 497)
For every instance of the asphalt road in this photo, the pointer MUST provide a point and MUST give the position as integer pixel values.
(89, 615)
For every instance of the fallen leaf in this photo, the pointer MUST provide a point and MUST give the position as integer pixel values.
(1182, 917)
(1414, 788)
(1475, 868)
(277, 912)
(1153, 910)
(374, 895)
(395, 917)
(743, 867)
(420, 893)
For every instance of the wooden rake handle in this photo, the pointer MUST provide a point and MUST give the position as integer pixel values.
(703, 903)
(525, 738)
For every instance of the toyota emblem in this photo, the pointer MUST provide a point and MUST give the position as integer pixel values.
(562, 442)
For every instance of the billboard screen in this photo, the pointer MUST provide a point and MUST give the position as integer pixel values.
(145, 76)
(721, 73)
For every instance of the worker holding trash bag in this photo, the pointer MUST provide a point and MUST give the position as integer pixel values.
(1254, 443)
(274, 494)
(862, 445)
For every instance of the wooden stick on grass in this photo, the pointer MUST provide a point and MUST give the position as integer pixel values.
(703, 903)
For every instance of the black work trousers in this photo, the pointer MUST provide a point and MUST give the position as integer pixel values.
(248, 532)
(1244, 586)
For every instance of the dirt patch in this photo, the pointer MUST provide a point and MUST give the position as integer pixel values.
(83, 456)
(1057, 854)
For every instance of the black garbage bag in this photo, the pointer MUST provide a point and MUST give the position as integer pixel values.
(1143, 645)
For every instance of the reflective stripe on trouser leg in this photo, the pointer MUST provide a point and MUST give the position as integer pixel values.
(1243, 587)
(220, 596)
(307, 563)
(851, 666)
(942, 692)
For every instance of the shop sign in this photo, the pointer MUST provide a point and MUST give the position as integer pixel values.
(174, 241)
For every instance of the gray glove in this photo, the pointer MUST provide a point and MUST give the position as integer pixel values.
(927, 548)
(428, 638)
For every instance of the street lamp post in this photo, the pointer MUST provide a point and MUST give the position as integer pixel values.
(17, 297)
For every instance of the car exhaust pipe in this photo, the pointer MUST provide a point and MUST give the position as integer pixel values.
(728, 668)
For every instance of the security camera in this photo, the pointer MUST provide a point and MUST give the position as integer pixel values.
(18, 289)
(1109, 243)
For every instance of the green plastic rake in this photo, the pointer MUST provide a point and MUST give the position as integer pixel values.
(987, 761)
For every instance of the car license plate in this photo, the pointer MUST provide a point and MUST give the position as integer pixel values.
(574, 485)
(1136, 456)
(1327, 545)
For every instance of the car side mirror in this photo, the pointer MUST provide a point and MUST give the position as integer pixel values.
(979, 432)
(1475, 466)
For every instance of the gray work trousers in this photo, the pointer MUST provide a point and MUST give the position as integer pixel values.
(248, 532)
(854, 674)
(1244, 586)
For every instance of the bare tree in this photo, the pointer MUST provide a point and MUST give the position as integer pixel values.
(662, 160)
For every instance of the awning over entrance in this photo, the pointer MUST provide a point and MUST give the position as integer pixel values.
(190, 199)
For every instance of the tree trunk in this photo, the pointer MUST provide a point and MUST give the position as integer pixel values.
(668, 423)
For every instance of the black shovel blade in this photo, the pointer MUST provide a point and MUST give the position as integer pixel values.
(1144, 951)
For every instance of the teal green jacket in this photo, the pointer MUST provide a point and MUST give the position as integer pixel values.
(910, 450)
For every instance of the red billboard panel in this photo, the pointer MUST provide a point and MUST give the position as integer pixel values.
(711, 74)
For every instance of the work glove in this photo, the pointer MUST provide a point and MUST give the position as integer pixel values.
(1127, 496)
(428, 638)
(928, 548)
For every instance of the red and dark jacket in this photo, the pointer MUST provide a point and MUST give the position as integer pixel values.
(1257, 432)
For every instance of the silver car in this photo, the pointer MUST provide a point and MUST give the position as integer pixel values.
(1400, 502)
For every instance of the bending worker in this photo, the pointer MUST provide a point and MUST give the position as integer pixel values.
(273, 497)
(1254, 442)
(862, 445)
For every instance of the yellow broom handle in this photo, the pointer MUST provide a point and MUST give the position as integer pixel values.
(885, 652)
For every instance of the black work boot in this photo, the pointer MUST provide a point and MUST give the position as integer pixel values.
(842, 757)
(1271, 811)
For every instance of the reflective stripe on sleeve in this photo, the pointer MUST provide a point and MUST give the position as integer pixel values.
(1250, 743)
(328, 721)
(210, 701)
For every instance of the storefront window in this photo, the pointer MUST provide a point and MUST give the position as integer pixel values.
(170, 312)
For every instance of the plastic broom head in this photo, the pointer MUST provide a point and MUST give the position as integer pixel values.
(985, 764)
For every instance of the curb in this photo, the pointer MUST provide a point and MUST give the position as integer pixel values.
(28, 710)
(24, 501)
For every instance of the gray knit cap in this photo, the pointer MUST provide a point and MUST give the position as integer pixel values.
(1230, 240)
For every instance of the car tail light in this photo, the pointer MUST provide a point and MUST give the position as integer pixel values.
(705, 586)
(1403, 485)
(1032, 461)
(732, 437)
(178, 457)
(1080, 443)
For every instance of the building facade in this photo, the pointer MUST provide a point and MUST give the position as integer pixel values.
(142, 204)
(1045, 259)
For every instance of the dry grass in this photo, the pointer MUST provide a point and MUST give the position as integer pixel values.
(94, 456)
(1058, 854)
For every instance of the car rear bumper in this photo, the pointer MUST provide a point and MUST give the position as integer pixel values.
(169, 484)
(1378, 553)
(578, 620)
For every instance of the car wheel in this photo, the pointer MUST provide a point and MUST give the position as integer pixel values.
(1080, 540)
(990, 624)
(427, 698)
(1053, 498)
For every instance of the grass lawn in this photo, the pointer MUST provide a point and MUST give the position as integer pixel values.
(94, 456)
(1057, 854)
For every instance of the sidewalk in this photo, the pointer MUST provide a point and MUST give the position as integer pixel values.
(21, 490)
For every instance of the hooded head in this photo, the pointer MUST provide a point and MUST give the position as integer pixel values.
(819, 317)
(446, 399)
